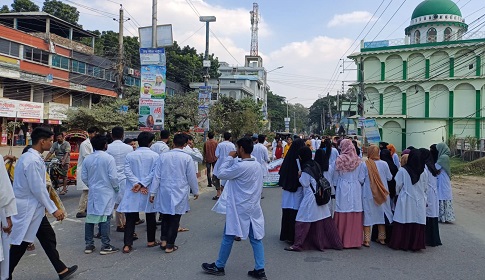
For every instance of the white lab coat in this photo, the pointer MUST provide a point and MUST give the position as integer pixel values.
(309, 210)
(196, 156)
(100, 175)
(411, 202)
(348, 191)
(118, 150)
(432, 205)
(260, 152)
(8, 208)
(32, 197)
(333, 156)
(373, 213)
(85, 149)
(444, 185)
(160, 147)
(292, 200)
(138, 169)
(222, 152)
(395, 159)
(244, 186)
(174, 177)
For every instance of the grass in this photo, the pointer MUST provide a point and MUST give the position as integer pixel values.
(474, 168)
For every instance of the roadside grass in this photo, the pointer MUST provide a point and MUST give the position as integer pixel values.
(473, 168)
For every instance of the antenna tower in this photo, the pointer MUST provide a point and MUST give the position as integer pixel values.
(254, 29)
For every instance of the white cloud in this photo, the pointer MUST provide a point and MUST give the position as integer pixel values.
(350, 18)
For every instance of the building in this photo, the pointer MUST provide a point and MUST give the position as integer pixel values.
(429, 86)
(239, 82)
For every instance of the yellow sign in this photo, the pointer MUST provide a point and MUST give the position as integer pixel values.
(8, 61)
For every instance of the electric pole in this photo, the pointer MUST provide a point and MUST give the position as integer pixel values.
(329, 108)
(361, 98)
(154, 23)
(119, 80)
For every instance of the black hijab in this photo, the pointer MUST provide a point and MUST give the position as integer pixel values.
(386, 156)
(322, 155)
(434, 152)
(289, 180)
(383, 145)
(414, 166)
(357, 150)
(427, 158)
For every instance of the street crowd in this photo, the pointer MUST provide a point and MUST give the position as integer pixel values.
(394, 200)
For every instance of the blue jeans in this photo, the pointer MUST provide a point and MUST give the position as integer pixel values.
(226, 246)
(103, 230)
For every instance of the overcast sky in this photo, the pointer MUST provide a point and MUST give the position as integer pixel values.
(307, 37)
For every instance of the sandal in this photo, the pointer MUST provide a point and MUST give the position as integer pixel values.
(163, 247)
(135, 236)
(127, 251)
(175, 248)
(215, 198)
(139, 222)
(31, 247)
(63, 192)
(182, 229)
(154, 244)
(291, 249)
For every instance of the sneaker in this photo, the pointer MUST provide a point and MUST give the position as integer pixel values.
(211, 268)
(81, 215)
(109, 250)
(258, 274)
(70, 271)
(89, 249)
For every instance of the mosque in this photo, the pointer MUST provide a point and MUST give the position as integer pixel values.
(428, 87)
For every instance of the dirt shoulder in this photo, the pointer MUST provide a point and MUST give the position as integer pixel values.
(469, 192)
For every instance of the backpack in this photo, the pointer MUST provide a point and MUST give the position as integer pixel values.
(324, 191)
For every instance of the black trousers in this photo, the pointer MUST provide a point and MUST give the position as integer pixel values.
(288, 225)
(209, 167)
(47, 238)
(131, 219)
(170, 226)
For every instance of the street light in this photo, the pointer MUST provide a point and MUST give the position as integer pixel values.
(206, 62)
(288, 100)
(287, 119)
(265, 76)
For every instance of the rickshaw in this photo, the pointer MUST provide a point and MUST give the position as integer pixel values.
(75, 138)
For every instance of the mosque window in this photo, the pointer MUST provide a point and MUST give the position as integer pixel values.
(447, 34)
(417, 37)
(431, 36)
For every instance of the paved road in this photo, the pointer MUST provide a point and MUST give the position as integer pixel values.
(461, 257)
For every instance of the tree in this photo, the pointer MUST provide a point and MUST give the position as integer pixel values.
(276, 111)
(181, 111)
(4, 9)
(319, 107)
(62, 11)
(299, 115)
(23, 6)
(238, 116)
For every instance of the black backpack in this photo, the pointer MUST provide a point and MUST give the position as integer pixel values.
(324, 191)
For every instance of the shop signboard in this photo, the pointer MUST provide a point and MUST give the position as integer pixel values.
(56, 111)
(30, 111)
(8, 108)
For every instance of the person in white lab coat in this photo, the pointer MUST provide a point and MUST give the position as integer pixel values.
(375, 196)
(315, 228)
(445, 193)
(244, 216)
(348, 178)
(138, 170)
(118, 150)
(33, 200)
(173, 179)
(100, 176)
(409, 227)
(193, 152)
(161, 146)
(8, 208)
(432, 202)
(260, 152)
(222, 150)
(85, 149)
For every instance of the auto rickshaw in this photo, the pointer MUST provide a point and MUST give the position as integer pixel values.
(75, 138)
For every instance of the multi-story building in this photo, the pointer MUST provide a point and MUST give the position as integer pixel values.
(429, 86)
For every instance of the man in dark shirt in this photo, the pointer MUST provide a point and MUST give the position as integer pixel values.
(210, 157)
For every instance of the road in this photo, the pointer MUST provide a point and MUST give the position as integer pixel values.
(461, 257)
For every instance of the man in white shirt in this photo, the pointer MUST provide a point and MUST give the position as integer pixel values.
(33, 200)
(193, 152)
(260, 152)
(119, 150)
(222, 150)
(173, 179)
(100, 175)
(244, 216)
(85, 149)
(8, 208)
(161, 146)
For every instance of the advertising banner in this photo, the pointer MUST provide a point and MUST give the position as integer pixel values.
(371, 131)
(272, 178)
(30, 110)
(8, 108)
(204, 102)
(151, 114)
(153, 81)
(151, 56)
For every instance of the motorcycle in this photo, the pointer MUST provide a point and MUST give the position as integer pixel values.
(55, 171)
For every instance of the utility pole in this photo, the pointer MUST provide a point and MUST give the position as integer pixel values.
(361, 97)
(206, 63)
(119, 80)
(294, 121)
(154, 23)
(329, 108)
(323, 118)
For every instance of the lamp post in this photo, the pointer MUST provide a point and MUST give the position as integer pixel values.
(206, 62)
(287, 119)
(265, 73)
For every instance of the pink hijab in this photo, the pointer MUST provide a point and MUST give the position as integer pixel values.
(348, 160)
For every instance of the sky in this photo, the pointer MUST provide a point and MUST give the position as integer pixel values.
(307, 37)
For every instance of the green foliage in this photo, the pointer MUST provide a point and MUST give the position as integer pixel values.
(62, 11)
(4, 9)
(475, 168)
(276, 111)
(181, 111)
(22, 6)
(315, 114)
(238, 116)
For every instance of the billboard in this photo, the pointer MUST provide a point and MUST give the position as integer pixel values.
(164, 36)
(205, 93)
(153, 82)
(151, 56)
(151, 114)
(371, 131)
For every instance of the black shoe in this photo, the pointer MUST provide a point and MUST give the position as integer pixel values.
(237, 238)
(81, 215)
(89, 249)
(211, 268)
(70, 271)
(120, 229)
(258, 274)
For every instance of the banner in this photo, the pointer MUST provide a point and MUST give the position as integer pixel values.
(151, 114)
(153, 81)
(371, 131)
(150, 56)
(272, 178)
(205, 93)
